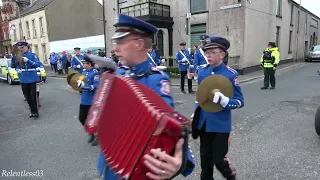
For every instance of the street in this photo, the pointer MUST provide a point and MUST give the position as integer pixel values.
(273, 135)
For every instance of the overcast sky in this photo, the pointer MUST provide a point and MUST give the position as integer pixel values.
(312, 5)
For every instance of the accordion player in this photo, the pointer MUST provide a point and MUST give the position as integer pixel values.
(132, 40)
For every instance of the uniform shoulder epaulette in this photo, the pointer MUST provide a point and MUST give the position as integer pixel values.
(155, 69)
(233, 71)
(123, 67)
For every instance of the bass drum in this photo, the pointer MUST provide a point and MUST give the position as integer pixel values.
(162, 68)
(317, 121)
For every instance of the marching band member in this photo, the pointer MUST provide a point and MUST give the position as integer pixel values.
(88, 91)
(29, 77)
(133, 38)
(200, 60)
(153, 58)
(215, 127)
(76, 63)
(183, 59)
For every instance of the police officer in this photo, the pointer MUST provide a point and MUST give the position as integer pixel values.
(76, 63)
(88, 91)
(136, 41)
(215, 127)
(269, 62)
(183, 59)
(29, 77)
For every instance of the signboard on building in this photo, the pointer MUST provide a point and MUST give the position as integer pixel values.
(231, 6)
(91, 43)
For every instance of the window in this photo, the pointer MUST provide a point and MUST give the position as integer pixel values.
(44, 53)
(28, 29)
(314, 23)
(15, 35)
(306, 24)
(20, 31)
(34, 28)
(279, 6)
(198, 5)
(291, 17)
(41, 23)
(36, 50)
(4, 33)
(196, 32)
(278, 36)
(290, 42)
(298, 26)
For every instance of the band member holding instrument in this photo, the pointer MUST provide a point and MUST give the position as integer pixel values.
(200, 60)
(88, 91)
(76, 63)
(183, 59)
(215, 127)
(133, 38)
(29, 76)
(153, 58)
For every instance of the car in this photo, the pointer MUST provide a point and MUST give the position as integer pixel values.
(7, 73)
(317, 121)
(313, 54)
(42, 73)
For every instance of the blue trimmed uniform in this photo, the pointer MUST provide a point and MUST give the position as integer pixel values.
(29, 78)
(76, 61)
(182, 58)
(153, 78)
(153, 58)
(215, 127)
(199, 57)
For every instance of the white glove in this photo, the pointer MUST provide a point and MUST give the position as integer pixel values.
(163, 60)
(25, 59)
(80, 84)
(18, 71)
(191, 66)
(184, 60)
(224, 100)
(78, 66)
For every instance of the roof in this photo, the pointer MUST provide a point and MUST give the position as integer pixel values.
(292, 1)
(39, 4)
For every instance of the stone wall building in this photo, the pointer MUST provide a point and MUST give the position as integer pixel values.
(249, 25)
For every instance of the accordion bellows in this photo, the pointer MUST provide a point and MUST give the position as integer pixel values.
(130, 119)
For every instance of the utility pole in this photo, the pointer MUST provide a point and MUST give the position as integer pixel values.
(104, 26)
(298, 32)
(189, 25)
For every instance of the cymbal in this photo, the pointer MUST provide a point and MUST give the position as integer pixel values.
(75, 78)
(70, 76)
(206, 91)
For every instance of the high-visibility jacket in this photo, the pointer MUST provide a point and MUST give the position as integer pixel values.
(270, 57)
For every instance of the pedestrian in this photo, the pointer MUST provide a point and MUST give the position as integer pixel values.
(88, 91)
(269, 62)
(183, 59)
(133, 36)
(29, 77)
(60, 67)
(215, 127)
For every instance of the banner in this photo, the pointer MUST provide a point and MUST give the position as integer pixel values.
(91, 43)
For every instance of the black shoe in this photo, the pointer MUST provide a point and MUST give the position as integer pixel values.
(183, 91)
(91, 138)
(264, 88)
(272, 87)
(95, 141)
(31, 115)
(35, 115)
(191, 92)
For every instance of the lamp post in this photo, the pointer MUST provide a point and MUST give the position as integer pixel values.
(189, 25)
(104, 26)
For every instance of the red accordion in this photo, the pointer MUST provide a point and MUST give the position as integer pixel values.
(130, 119)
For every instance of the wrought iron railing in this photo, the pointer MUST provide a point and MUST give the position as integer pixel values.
(147, 8)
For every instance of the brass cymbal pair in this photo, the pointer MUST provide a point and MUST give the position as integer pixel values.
(72, 79)
(207, 88)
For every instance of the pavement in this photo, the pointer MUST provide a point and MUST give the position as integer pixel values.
(242, 78)
(273, 135)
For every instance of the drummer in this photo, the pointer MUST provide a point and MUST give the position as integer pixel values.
(153, 58)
